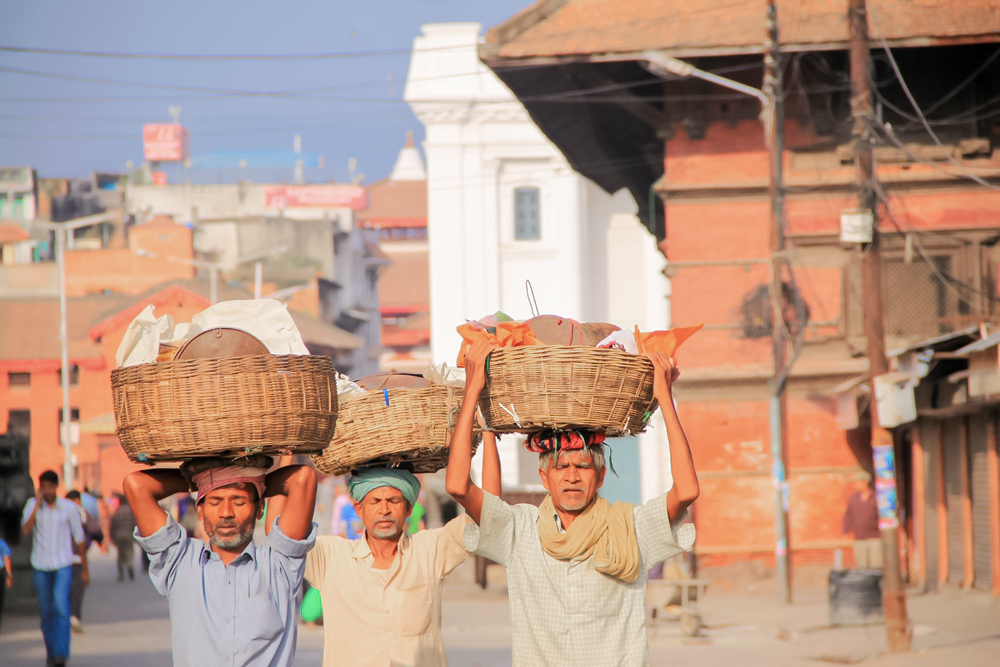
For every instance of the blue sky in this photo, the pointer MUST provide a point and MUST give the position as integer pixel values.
(70, 127)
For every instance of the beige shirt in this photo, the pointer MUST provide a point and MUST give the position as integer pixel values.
(382, 621)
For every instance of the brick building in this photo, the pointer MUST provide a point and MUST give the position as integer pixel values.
(106, 289)
(397, 208)
(697, 153)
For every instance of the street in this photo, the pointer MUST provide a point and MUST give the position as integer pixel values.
(126, 624)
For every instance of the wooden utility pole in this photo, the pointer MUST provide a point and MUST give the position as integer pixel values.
(779, 338)
(893, 594)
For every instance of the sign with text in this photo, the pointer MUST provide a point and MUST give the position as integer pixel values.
(164, 142)
(315, 196)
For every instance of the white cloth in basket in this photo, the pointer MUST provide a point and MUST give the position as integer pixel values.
(267, 319)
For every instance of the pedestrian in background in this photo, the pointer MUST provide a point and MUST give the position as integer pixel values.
(77, 589)
(6, 573)
(56, 529)
(861, 520)
(122, 534)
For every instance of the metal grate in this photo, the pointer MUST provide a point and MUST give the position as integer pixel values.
(919, 301)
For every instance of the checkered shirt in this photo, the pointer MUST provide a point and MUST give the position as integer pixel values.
(565, 612)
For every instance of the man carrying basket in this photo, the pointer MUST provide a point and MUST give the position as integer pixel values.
(577, 565)
(231, 602)
(382, 593)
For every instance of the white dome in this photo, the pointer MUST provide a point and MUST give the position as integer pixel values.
(409, 165)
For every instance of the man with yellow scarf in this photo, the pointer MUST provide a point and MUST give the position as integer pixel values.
(577, 565)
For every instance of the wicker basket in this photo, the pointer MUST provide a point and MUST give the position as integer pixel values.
(266, 404)
(410, 428)
(542, 387)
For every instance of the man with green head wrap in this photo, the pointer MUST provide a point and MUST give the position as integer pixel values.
(382, 593)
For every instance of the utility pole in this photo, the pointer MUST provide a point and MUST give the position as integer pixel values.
(893, 594)
(775, 117)
(64, 421)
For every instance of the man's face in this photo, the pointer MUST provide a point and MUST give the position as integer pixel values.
(384, 512)
(48, 491)
(228, 515)
(572, 480)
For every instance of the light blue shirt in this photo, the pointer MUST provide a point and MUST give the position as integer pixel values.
(235, 616)
(57, 527)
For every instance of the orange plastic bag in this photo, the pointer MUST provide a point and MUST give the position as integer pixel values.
(664, 341)
(508, 334)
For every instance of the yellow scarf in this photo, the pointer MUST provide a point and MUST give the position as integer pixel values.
(603, 530)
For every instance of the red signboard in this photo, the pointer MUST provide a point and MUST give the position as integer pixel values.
(315, 196)
(159, 177)
(164, 142)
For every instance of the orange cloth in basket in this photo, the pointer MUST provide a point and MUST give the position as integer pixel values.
(664, 341)
(519, 334)
(508, 334)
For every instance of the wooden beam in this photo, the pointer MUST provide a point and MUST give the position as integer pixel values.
(993, 479)
(637, 105)
(942, 505)
(919, 565)
(965, 486)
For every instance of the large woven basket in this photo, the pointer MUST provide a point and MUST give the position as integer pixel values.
(542, 387)
(409, 428)
(262, 404)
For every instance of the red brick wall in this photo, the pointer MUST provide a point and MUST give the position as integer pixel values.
(92, 397)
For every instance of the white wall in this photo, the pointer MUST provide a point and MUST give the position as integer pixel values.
(594, 260)
(187, 203)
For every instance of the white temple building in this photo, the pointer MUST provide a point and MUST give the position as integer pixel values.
(504, 208)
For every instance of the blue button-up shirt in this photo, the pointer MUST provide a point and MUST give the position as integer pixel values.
(235, 616)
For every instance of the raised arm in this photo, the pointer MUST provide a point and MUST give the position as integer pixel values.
(685, 489)
(144, 489)
(292, 493)
(491, 465)
(458, 481)
(28, 522)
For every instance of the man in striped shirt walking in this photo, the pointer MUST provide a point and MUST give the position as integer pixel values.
(57, 532)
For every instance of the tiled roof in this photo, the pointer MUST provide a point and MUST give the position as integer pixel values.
(406, 282)
(394, 200)
(29, 328)
(11, 232)
(706, 27)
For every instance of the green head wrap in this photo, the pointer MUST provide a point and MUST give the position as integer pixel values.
(365, 481)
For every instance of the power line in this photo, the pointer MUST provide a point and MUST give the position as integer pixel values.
(923, 119)
(220, 57)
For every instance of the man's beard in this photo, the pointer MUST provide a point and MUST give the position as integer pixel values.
(576, 505)
(386, 533)
(241, 538)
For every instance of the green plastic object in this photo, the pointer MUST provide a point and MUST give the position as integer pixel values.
(312, 606)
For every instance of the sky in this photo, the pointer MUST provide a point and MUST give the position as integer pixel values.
(69, 115)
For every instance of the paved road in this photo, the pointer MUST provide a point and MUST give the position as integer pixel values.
(127, 625)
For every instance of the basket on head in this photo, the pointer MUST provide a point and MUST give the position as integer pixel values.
(562, 387)
(231, 406)
(401, 420)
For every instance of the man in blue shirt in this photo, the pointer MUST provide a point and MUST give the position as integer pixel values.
(57, 531)
(231, 603)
